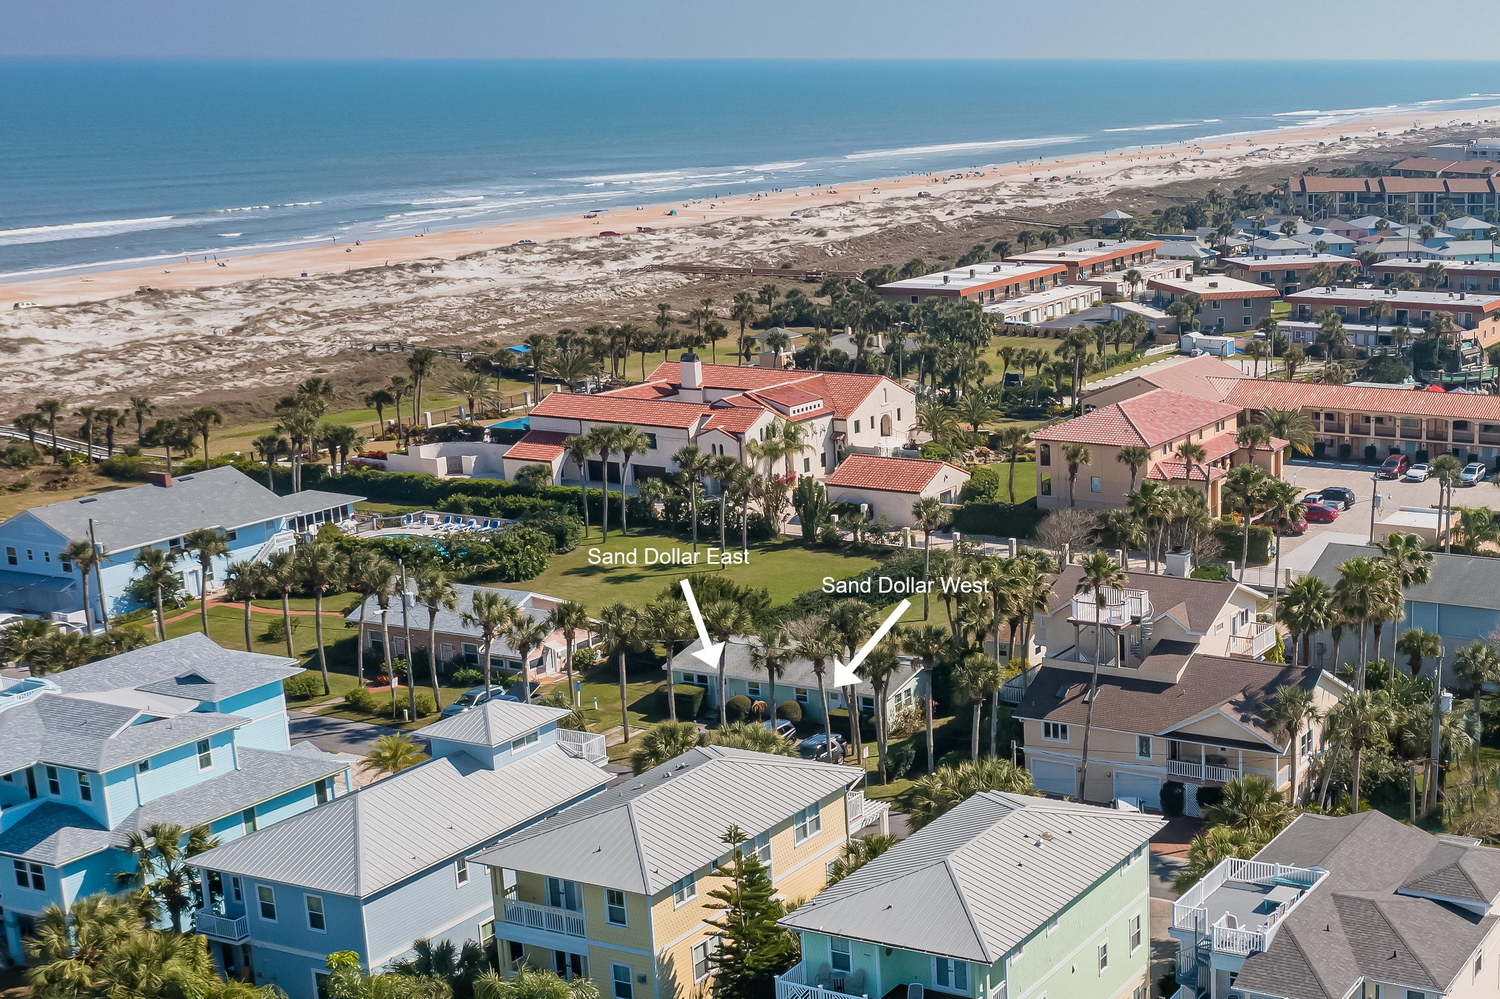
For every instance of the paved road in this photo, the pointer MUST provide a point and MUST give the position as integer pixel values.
(339, 735)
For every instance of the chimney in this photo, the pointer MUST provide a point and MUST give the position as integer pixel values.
(163, 479)
(945, 279)
(692, 377)
(1180, 563)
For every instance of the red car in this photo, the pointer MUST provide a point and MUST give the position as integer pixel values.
(1317, 513)
(1291, 528)
(1394, 467)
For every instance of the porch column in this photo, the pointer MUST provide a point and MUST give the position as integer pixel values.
(1240, 763)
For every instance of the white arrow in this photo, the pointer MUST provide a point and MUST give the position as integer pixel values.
(845, 676)
(711, 651)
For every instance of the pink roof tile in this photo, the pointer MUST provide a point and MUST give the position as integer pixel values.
(1255, 394)
(1150, 419)
(538, 445)
(612, 409)
(894, 475)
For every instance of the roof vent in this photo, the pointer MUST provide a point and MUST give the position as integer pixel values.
(89, 499)
(945, 279)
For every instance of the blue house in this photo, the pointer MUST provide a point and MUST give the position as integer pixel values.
(37, 578)
(381, 868)
(182, 732)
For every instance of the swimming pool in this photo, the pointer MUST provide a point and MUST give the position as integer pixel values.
(518, 423)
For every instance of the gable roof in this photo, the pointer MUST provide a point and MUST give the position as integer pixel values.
(451, 622)
(1360, 920)
(981, 879)
(1194, 603)
(53, 834)
(614, 409)
(840, 391)
(1241, 689)
(649, 832)
(739, 662)
(95, 736)
(1149, 419)
(493, 723)
(895, 475)
(387, 831)
(123, 519)
(1204, 377)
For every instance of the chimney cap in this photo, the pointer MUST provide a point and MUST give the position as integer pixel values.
(689, 357)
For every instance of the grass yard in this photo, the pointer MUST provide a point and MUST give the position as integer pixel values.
(85, 484)
(785, 567)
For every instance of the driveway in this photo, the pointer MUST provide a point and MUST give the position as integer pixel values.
(340, 735)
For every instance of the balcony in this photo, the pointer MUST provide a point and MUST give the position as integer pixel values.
(230, 929)
(1121, 609)
(587, 746)
(793, 984)
(1254, 642)
(1241, 904)
(1202, 771)
(549, 918)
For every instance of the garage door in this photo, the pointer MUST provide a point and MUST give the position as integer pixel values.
(1052, 777)
(1144, 787)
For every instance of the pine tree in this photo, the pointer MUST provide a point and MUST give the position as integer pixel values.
(753, 949)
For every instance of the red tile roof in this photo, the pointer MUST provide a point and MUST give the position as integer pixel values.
(1174, 469)
(612, 409)
(1204, 377)
(1254, 394)
(538, 445)
(734, 419)
(892, 475)
(840, 390)
(788, 395)
(1150, 419)
(645, 390)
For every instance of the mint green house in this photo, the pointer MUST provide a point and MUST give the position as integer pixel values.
(1005, 897)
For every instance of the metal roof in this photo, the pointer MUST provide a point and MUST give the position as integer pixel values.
(981, 879)
(1457, 580)
(451, 622)
(493, 723)
(390, 830)
(655, 829)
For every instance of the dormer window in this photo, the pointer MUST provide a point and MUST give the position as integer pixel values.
(529, 739)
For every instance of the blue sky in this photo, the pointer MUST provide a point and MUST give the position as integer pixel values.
(974, 29)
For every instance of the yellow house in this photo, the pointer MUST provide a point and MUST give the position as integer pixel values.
(616, 888)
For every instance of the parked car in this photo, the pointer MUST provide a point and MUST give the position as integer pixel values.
(1474, 473)
(517, 692)
(1318, 513)
(525, 242)
(1291, 528)
(472, 698)
(1312, 498)
(814, 747)
(1394, 467)
(1338, 496)
(786, 729)
(1418, 472)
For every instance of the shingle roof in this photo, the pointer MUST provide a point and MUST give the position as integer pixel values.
(981, 879)
(649, 832)
(221, 497)
(1193, 603)
(493, 723)
(895, 475)
(1242, 688)
(1150, 419)
(1359, 922)
(538, 445)
(54, 834)
(611, 409)
(451, 622)
(391, 829)
(95, 736)
(1257, 394)
(178, 667)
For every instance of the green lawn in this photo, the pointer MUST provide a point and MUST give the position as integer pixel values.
(786, 568)
(384, 509)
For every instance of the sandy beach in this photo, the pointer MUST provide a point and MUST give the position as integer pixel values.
(260, 319)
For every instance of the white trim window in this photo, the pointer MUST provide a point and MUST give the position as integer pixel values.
(316, 920)
(807, 823)
(1054, 731)
(840, 954)
(685, 890)
(704, 953)
(205, 755)
(614, 907)
(265, 895)
(1135, 933)
(951, 975)
(1104, 957)
(461, 871)
(623, 984)
(85, 786)
(564, 894)
(761, 847)
(54, 782)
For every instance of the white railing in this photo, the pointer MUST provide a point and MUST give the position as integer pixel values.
(1201, 771)
(544, 917)
(584, 745)
(1121, 607)
(1242, 943)
(231, 928)
(1191, 911)
(1185, 992)
(1255, 643)
(793, 984)
(1015, 688)
(865, 812)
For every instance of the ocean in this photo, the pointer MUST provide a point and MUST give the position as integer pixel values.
(106, 163)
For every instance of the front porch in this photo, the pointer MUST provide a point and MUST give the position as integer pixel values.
(828, 984)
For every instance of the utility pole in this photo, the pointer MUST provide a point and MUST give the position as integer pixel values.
(88, 615)
(1429, 799)
(1374, 505)
(411, 660)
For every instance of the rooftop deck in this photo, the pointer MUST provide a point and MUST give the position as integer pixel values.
(1241, 903)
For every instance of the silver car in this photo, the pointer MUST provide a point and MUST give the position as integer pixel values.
(1474, 473)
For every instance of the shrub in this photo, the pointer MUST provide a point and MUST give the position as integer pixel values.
(1173, 799)
(125, 467)
(585, 659)
(933, 451)
(738, 707)
(899, 758)
(790, 710)
(360, 699)
(467, 677)
(565, 529)
(521, 553)
(999, 520)
(424, 705)
(1231, 536)
(689, 697)
(986, 484)
(19, 456)
(1212, 570)
(303, 686)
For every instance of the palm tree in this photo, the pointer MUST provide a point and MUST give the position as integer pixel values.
(1293, 710)
(1477, 665)
(400, 388)
(1013, 441)
(1195, 455)
(1356, 723)
(662, 742)
(203, 419)
(321, 567)
(1358, 599)
(1417, 645)
(569, 618)
(84, 556)
(377, 400)
(877, 669)
(975, 676)
(436, 592)
(1245, 490)
(245, 580)
(1476, 525)
(723, 620)
(852, 621)
(283, 577)
(1211, 848)
(619, 629)
(927, 643)
(1100, 572)
(470, 385)
(208, 543)
(21, 640)
(525, 634)
(1137, 457)
(1411, 565)
(420, 364)
(1291, 425)
(392, 754)
(1282, 505)
(1306, 610)
(930, 515)
(1446, 469)
(1075, 456)
(158, 570)
(61, 650)
(743, 312)
(370, 575)
(162, 853)
(816, 643)
(492, 614)
(605, 441)
(580, 448)
(50, 410)
(140, 408)
(937, 793)
(776, 649)
(693, 464)
(1251, 803)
